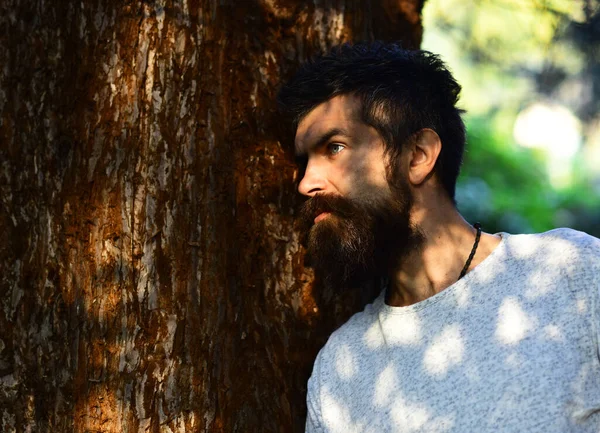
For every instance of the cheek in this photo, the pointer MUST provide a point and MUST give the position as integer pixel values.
(371, 169)
(351, 174)
(361, 177)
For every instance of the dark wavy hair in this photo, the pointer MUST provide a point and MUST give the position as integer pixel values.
(401, 92)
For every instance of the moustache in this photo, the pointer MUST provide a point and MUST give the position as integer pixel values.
(320, 203)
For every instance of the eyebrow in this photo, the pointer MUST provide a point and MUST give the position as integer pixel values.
(321, 140)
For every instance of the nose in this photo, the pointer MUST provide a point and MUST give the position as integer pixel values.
(313, 180)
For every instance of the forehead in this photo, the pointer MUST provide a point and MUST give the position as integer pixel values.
(338, 113)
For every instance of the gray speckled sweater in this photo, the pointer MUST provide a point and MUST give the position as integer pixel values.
(511, 347)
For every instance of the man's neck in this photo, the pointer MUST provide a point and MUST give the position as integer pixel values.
(438, 262)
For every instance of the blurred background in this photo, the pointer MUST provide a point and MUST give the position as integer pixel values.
(530, 72)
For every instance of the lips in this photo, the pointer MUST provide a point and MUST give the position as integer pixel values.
(320, 207)
(322, 216)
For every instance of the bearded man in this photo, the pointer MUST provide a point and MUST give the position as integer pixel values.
(473, 332)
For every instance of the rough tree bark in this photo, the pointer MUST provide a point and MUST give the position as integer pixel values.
(151, 277)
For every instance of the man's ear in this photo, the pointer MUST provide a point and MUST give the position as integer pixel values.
(426, 148)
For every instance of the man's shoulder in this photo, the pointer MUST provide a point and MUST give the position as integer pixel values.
(567, 234)
(567, 242)
(354, 334)
(562, 257)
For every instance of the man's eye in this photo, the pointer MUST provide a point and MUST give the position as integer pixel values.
(334, 148)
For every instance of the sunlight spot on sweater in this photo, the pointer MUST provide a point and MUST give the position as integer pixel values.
(514, 360)
(445, 351)
(513, 323)
(463, 296)
(338, 417)
(525, 250)
(385, 385)
(409, 334)
(553, 332)
(541, 281)
(372, 337)
(581, 306)
(345, 363)
(486, 274)
(409, 416)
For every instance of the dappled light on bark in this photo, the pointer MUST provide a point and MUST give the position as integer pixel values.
(152, 279)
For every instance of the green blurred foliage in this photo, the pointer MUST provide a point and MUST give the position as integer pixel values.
(508, 54)
(507, 188)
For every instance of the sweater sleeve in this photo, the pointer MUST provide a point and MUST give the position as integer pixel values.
(313, 401)
(591, 263)
(595, 266)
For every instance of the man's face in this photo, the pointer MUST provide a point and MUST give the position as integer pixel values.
(355, 224)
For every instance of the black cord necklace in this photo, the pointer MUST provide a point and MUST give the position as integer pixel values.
(473, 250)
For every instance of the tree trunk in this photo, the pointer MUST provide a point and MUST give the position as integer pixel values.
(151, 277)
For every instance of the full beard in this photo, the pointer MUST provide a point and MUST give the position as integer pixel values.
(360, 240)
